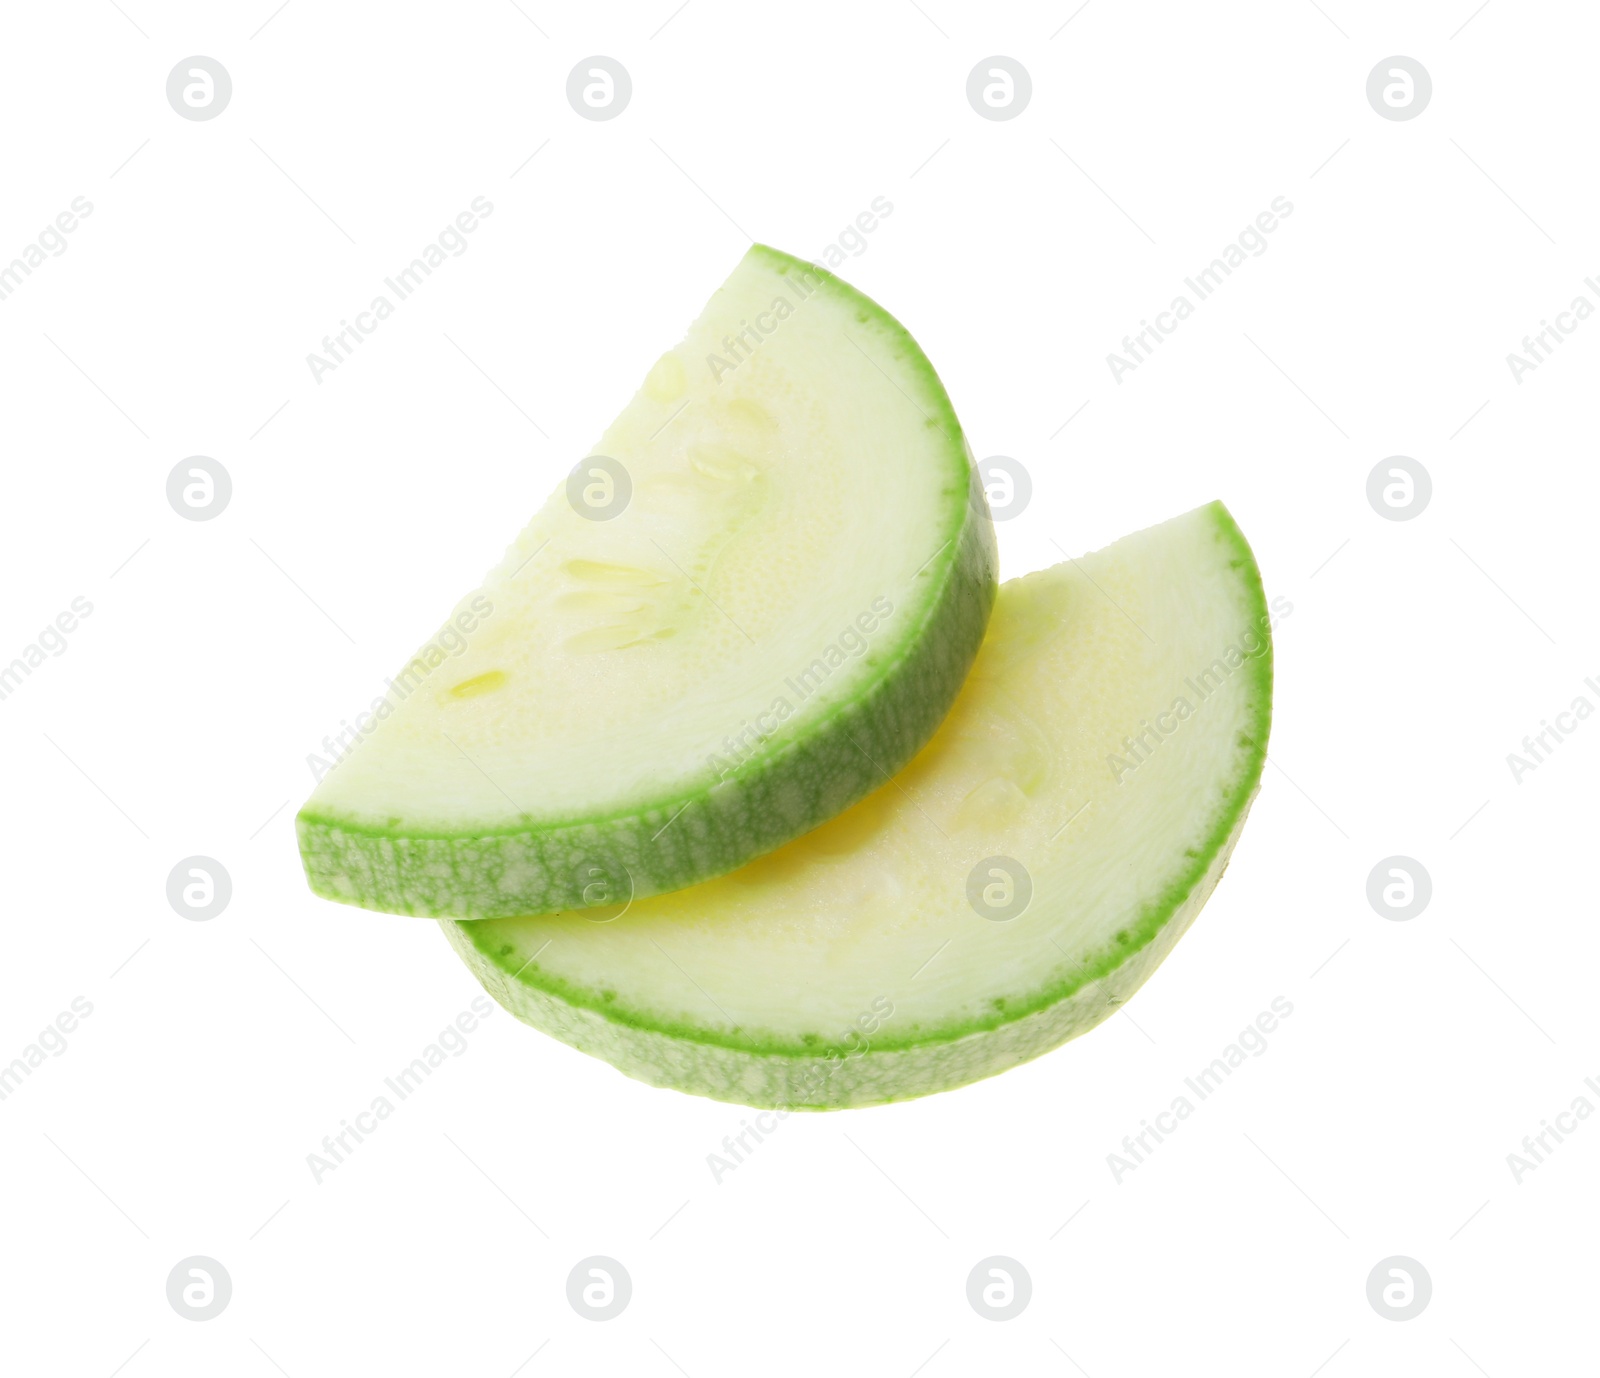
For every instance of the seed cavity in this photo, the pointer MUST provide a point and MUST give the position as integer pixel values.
(722, 463)
(601, 602)
(485, 683)
(612, 575)
(610, 638)
(751, 414)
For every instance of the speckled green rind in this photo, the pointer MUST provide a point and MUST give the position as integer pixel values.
(793, 784)
(876, 1076)
(768, 802)
(890, 1067)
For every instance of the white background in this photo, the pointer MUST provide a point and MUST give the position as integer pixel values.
(219, 654)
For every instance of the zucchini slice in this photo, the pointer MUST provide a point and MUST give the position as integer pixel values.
(1006, 892)
(745, 611)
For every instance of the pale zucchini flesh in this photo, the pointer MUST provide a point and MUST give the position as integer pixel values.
(769, 622)
(1110, 739)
